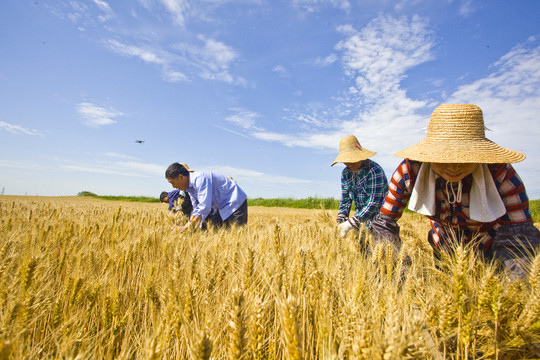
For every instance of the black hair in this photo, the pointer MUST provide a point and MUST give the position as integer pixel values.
(174, 170)
(162, 196)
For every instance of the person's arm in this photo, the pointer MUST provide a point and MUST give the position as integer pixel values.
(202, 204)
(346, 200)
(193, 223)
(513, 194)
(384, 225)
(516, 238)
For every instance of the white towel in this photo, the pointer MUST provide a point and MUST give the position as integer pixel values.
(423, 194)
(485, 203)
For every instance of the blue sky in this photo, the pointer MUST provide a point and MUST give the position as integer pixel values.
(261, 90)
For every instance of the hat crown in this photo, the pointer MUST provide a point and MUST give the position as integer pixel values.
(349, 143)
(456, 134)
(456, 121)
(350, 151)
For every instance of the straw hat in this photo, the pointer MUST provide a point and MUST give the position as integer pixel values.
(456, 134)
(350, 151)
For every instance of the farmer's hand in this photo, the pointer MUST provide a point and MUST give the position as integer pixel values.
(193, 223)
(179, 228)
(344, 228)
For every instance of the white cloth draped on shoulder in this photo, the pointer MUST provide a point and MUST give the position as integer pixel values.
(485, 203)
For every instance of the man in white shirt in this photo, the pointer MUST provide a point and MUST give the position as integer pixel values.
(212, 194)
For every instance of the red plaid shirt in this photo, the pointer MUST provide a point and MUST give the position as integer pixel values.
(453, 219)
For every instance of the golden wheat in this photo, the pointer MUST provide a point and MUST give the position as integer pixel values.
(84, 278)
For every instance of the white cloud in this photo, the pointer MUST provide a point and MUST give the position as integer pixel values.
(103, 5)
(243, 118)
(402, 4)
(142, 168)
(215, 58)
(315, 5)
(376, 58)
(177, 8)
(212, 58)
(124, 168)
(81, 13)
(173, 76)
(146, 55)
(17, 129)
(467, 8)
(150, 55)
(246, 175)
(281, 70)
(379, 55)
(326, 61)
(119, 156)
(96, 116)
(517, 77)
(510, 100)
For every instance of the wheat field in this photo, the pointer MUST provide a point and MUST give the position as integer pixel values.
(83, 278)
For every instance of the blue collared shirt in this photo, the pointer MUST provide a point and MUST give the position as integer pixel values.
(213, 191)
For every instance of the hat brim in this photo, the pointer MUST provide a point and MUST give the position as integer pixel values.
(187, 167)
(482, 151)
(353, 156)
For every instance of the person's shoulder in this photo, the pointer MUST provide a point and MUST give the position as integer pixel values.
(495, 168)
(408, 168)
(198, 174)
(373, 166)
(501, 171)
(195, 178)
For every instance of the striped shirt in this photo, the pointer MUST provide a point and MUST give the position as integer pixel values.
(452, 220)
(366, 187)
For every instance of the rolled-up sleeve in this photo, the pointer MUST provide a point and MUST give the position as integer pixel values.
(203, 202)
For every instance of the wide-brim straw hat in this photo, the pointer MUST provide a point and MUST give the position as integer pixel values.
(350, 151)
(456, 134)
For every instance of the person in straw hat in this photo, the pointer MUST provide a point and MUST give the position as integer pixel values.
(216, 198)
(467, 187)
(363, 182)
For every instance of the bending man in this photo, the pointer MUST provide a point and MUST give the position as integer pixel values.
(213, 195)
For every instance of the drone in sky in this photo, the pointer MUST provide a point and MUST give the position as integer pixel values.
(139, 141)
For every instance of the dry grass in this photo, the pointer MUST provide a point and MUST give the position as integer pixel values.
(91, 279)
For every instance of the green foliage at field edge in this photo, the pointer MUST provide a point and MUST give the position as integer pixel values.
(145, 199)
(535, 209)
(308, 203)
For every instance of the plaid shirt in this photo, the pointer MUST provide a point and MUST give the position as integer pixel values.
(453, 219)
(366, 187)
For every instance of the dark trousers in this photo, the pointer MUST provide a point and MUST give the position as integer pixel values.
(239, 217)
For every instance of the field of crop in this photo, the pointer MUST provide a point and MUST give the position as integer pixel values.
(83, 278)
